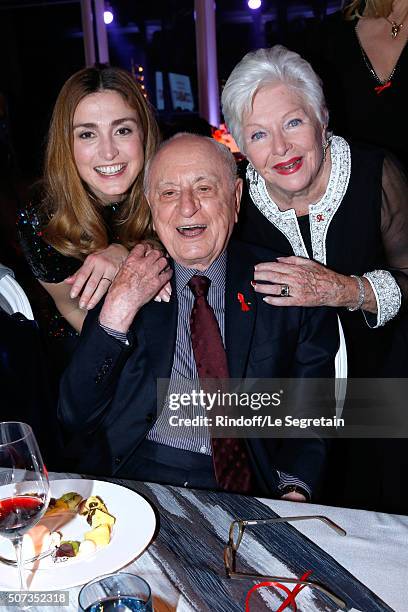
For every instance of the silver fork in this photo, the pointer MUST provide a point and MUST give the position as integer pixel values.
(42, 555)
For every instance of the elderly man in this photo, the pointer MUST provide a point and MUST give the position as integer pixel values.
(109, 401)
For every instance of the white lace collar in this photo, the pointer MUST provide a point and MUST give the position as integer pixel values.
(320, 214)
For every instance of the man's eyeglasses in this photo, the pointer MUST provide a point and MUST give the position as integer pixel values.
(236, 533)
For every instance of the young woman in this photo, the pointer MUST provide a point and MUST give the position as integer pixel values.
(90, 210)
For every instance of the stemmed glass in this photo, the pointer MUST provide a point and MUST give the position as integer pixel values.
(24, 486)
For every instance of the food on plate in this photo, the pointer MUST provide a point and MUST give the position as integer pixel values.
(68, 549)
(97, 517)
(100, 535)
(43, 537)
(72, 500)
(92, 503)
(87, 547)
(68, 502)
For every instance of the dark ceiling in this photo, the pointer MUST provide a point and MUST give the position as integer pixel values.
(41, 45)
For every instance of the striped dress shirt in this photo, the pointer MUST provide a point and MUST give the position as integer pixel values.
(184, 376)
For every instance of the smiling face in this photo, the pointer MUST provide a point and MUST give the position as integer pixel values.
(284, 143)
(108, 148)
(194, 201)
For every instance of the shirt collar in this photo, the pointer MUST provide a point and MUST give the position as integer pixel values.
(216, 273)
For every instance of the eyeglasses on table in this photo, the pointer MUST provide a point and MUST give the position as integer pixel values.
(236, 533)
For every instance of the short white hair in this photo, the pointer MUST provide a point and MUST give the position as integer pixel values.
(222, 150)
(276, 65)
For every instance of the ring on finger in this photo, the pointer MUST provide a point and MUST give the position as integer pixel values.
(284, 292)
(105, 278)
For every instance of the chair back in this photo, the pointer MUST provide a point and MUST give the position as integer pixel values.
(12, 297)
(340, 364)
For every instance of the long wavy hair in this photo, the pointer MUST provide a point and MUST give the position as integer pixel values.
(370, 8)
(75, 226)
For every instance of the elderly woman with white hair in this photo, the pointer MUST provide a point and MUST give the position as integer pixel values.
(338, 213)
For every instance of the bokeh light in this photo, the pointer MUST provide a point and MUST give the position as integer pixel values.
(108, 16)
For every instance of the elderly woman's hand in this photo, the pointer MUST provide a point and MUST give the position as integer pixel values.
(164, 294)
(94, 277)
(309, 283)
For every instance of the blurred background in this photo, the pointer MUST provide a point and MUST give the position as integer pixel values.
(42, 44)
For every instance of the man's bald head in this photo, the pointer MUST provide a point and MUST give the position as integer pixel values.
(218, 149)
(193, 191)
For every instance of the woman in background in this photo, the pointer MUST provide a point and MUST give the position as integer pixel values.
(362, 56)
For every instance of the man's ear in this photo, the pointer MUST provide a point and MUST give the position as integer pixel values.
(238, 194)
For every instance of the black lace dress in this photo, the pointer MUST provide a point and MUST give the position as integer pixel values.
(359, 226)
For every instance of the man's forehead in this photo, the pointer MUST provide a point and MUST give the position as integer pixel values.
(185, 170)
(186, 151)
(174, 178)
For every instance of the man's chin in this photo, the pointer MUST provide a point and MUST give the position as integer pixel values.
(198, 261)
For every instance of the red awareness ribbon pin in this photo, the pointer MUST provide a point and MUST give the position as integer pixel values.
(244, 306)
(381, 88)
(291, 595)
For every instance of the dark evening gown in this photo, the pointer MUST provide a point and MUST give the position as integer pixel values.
(60, 339)
(50, 266)
(369, 231)
(357, 109)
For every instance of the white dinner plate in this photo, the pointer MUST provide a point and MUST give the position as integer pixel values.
(131, 535)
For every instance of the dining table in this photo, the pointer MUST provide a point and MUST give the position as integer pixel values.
(184, 563)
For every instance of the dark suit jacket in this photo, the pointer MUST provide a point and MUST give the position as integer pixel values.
(108, 399)
(24, 383)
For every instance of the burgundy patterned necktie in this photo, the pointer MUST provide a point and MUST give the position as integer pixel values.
(230, 457)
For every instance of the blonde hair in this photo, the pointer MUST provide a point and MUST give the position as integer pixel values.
(370, 8)
(76, 227)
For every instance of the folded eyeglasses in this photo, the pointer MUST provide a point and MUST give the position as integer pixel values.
(236, 533)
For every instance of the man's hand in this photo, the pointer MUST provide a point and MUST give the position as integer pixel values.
(140, 278)
(295, 496)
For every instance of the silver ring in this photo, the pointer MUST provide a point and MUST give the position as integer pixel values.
(284, 292)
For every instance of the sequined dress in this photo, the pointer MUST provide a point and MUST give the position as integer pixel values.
(47, 264)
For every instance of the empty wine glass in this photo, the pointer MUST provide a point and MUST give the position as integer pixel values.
(24, 486)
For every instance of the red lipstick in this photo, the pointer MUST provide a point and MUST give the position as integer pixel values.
(290, 166)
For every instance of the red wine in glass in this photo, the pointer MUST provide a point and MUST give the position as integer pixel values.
(18, 514)
(24, 486)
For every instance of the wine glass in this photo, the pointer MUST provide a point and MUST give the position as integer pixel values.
(24, 486)
(122, 592)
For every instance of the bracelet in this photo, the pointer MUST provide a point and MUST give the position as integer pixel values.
(361, 295)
